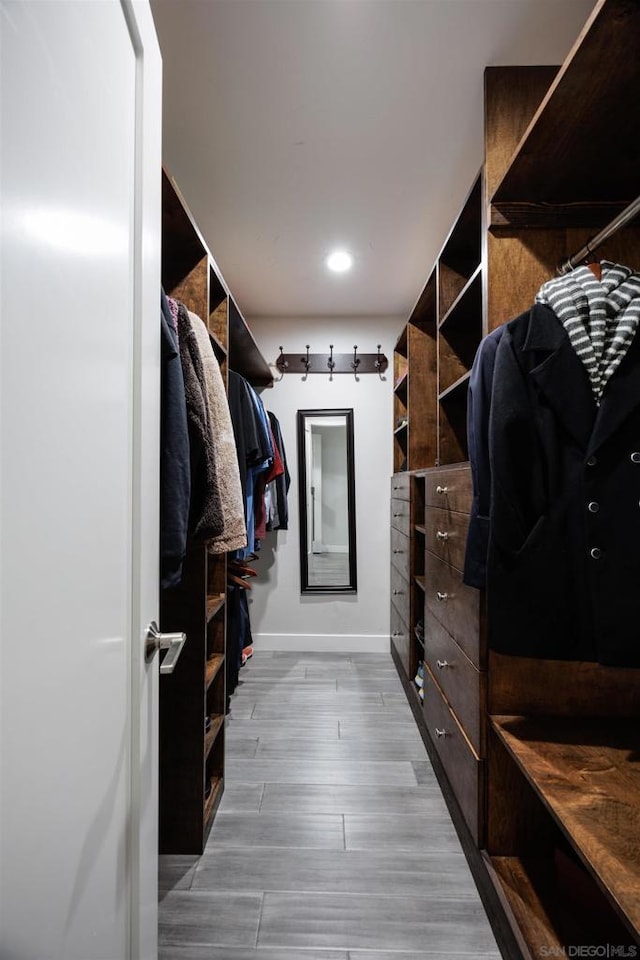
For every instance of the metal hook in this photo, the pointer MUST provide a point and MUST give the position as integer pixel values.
(356, 362)
(381, 363)
(307, 363)
(282, 365)
(331, 362)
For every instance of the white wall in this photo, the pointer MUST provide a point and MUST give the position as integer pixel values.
(280, 617)
(335, 506)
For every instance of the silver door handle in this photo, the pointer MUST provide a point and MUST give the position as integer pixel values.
(172, 642)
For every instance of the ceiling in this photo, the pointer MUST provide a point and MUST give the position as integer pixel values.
(295, 126)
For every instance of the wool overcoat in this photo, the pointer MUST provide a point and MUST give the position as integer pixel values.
(563, 565)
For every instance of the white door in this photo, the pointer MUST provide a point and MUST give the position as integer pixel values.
(79, 408)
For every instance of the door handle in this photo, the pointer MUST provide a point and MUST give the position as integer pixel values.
(172, 642)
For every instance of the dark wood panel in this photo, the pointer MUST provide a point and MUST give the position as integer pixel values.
(459, 680)
(401, 516)
(455, 605)
(587, 775)
(401, 640)
(558, 160)
(511, 95)
(400, 489)
(400, 545)
(462, 767)
(446, 535)
(244, 356)
(522, 685)
(219, 325)
(423, 314)
(400, 594)
(422, 403)
(449, 488)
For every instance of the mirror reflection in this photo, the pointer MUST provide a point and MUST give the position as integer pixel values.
(327, 501)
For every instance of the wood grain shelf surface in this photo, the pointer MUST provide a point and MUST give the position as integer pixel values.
(213, 667)
(564, 155)
(455, 387)
(401, 382)
(587, 774)
(214, 605)
(420, 580)
(212, 802)
(471, 289)
(420, 528)
(217, 723)
(399, 430)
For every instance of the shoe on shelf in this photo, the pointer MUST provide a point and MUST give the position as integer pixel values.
(421, 693)
(419, 677)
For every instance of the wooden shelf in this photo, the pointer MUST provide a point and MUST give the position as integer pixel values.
(423, 315)
(214, 605)
(244, 355)
(212, 802)
(399, 430)
(217, 723)
(472, 291)
(564, 156)
(420, 580)
(455, 387)
(400, 386)
(586, 774)
(420, 528)
(213, 667)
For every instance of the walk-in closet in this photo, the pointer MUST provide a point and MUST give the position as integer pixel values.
(319, 479)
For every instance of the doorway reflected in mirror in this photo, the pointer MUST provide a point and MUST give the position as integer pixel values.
(327, 501)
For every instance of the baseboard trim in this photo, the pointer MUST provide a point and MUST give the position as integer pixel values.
(323, 642)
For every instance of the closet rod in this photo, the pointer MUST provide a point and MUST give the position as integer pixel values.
(616, 224)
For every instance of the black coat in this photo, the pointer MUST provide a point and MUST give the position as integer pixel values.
(563, 571)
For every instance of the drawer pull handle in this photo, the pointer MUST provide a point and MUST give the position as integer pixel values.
(440, 733)
(441, 664)
(442, 490)
(397, 514)
(442, 596)
(398, 593)
(398, 551)
(442, 535)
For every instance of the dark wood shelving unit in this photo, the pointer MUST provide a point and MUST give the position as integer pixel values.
(191, 757)
(540, 765)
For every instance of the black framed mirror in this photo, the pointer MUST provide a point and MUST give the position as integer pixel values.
(326, 478)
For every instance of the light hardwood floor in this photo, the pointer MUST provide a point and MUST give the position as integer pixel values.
(332, 841)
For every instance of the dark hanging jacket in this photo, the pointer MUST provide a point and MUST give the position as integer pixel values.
(283, 481)
(175, 472)
(563, 569)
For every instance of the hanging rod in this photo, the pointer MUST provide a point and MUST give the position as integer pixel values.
(616, 224)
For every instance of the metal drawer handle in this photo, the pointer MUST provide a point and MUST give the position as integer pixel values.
(397, 514)
(442, 490)
(441, 664)
(398, 551)
(440, 733)
(173, 642)
(398, 593)
(442, 535)
(442, 596)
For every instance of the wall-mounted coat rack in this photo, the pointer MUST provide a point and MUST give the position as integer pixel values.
(354, 363)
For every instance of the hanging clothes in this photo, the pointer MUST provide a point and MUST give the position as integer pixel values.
(234, 533)
(277, 490)
(175, 472)
(563, 562)
(255, 451)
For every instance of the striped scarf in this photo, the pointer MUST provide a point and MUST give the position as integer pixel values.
(600, 316)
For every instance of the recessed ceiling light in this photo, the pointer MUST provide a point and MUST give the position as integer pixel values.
(339, 261)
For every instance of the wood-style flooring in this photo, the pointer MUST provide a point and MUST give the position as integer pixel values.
(332, 841)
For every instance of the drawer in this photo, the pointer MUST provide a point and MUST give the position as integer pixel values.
(459, 680)
(400, 487)
(400, 515)
(449, 488)
(400, 551)
(455, 605)
(401, 640)
(446, 535)
(400, 593)
(463, 769)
